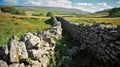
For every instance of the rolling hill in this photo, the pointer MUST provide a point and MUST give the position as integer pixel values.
(59, 9)
(103, 11)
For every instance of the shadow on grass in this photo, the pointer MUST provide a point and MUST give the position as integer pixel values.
(49, 21)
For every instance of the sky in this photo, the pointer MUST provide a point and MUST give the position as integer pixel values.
(85, 5)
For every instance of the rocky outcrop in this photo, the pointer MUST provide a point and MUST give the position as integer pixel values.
(104, 40)
(31, 50)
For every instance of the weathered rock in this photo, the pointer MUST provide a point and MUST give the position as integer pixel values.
(3, 63)
(46, 46)
(28, 66)
(17, 50)
(36, 54)
(72, 51)
(109, 37)
(36, 64)
(50, 40)
(45, 60)
(55, 22)
(101, 51)
(95, 25)
(31, 40)
(22, 65)
(4, 53)
(13, 50)
(14, 65)
(57, 30)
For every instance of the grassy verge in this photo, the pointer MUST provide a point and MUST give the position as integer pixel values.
(10, 26)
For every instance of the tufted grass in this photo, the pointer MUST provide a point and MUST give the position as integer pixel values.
(18, 26)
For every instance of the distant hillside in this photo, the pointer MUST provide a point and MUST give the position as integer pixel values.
(103, 11)
(59, 9)
(115, 12)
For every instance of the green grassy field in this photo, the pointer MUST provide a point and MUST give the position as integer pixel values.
(10, 26)
(19, 24)
(37, 11)
(106, 21)
(94, 15)
(95, 18)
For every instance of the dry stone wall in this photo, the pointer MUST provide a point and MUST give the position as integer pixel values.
(31, 50)
(104, 40)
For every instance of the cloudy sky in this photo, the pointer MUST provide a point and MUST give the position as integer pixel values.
(85, 5)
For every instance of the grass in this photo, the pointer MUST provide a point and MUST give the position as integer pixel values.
(21, 24)
(108, 21)
(95, 15)
(95, 18)
(10, 26)
(37, 11)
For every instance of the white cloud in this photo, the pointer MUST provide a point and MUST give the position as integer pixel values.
(11, 1)
(52, 3)
(68, 4)
(118, 2)
(59, 3)
(102, 4)
(84, 4)
(34, 2)
(91, 7)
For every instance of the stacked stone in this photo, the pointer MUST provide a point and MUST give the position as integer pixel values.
(104, 40)
(31, 50)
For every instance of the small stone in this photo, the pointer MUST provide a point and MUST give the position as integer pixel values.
(102, 45)
(31, 40)
(96, 25)
(36, 54)
(107, 37)
(3, 63)
(107, 51)
(107, 57)
(14, 65)
(112, 56)
(36, 64)
(22, 65)
(28, 66)
(101, 51)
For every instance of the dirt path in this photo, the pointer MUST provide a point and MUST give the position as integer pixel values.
(21, 16)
